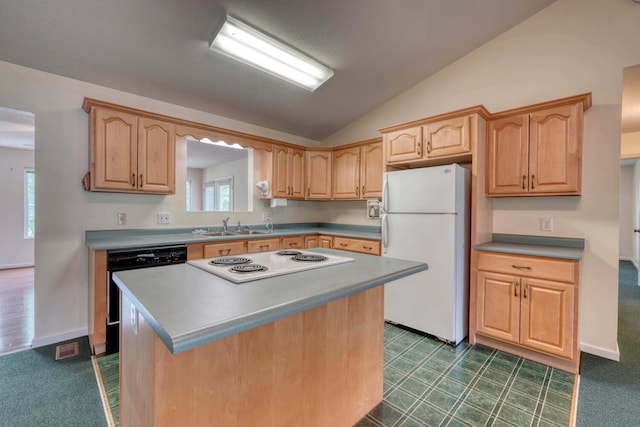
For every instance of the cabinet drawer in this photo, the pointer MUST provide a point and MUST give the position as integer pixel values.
(357, 245)
(263, 245)
(529, 266)
(294, 242)
(212, 250)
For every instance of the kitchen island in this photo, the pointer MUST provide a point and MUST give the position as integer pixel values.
(303, 348)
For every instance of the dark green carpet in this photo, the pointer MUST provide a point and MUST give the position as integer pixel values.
(36, 390)
(610, 391)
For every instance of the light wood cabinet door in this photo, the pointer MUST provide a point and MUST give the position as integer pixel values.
(498, 306)
(371, 169)
(296, 173)
(156, 156)
(554, 150)
(508, 155)
(346, 173)
(288, 172)
(547, 316)
(131, 154)
(447, 137)
(213, 250)
(403, 145)
(319, 171)
(114, 154)
(326, 241)
(280, 184)
(311, 241)
(263, 245)
(293, 242)
(371, 247)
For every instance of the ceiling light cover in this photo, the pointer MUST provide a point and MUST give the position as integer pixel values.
(246, 44)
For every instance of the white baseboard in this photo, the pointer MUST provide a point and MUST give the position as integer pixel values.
(52, 339)
(22, 265)
(602, 352)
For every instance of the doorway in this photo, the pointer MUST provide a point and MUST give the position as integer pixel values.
(17, 247)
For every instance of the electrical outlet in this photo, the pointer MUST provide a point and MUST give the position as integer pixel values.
(164, 217)
(122, 218)
(546, 224)
(265, 216)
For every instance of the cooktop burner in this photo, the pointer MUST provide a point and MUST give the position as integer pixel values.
(248, 268)
(232, 260)
(309, 258)
(262, 265)
(288, 252)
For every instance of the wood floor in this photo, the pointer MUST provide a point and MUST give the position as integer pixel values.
(16, 309)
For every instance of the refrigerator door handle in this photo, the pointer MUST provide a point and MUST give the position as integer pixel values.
(385, 195)
(385, 232)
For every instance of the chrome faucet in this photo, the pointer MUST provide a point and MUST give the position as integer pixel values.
(269, 225)
(224, 224)
(239, 227)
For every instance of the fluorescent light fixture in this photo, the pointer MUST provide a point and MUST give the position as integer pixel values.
(239, 41)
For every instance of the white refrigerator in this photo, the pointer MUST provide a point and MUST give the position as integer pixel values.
(425, 217)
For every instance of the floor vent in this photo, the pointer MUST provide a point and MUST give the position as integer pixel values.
(66, 351)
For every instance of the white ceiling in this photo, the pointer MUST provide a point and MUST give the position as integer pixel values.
(159, 49)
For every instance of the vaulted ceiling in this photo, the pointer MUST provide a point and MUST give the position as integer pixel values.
(160, 49)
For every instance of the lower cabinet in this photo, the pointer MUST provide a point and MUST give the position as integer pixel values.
(318, 241)
(357, 245)
(263, 245)
(529, 303)
(293, 242)
(212, 250)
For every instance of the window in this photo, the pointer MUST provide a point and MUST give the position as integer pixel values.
(29, 203)
(218, 194)
(188, 194)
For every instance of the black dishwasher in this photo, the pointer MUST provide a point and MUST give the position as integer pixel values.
(130, 259)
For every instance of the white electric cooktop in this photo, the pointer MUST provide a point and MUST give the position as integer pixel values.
(248, 267)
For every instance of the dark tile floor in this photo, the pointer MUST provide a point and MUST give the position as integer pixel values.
(429, 383)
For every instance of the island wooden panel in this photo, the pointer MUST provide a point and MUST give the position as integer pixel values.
(320, 367)
(98, 301)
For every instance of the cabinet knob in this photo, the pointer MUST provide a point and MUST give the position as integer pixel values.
(524, 181)
(515, 288)
(419, 150)
(141, 183)
(636, 230)
(357, 191)
(133, 179)
(521, 267)
(533, 185)
(526, 287)
(363, 190)
(428, 147)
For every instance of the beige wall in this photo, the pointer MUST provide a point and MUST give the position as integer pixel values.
(15, 250)
(571, 47)
(64, 211)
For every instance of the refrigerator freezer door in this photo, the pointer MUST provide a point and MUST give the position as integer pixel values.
(433, 301)
(432, 190)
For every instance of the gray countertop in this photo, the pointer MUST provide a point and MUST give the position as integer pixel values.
(188, 307)
(128, 239)
(552, 247)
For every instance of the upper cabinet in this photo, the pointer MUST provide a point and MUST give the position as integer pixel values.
(288, 172)
(357, 171)
(131, 154)
(536, 151)
(437, 140)
(319, 173)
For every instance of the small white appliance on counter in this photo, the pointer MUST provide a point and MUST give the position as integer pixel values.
(425, 217)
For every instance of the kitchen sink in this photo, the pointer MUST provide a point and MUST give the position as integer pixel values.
(245, 232)
(217, 234)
